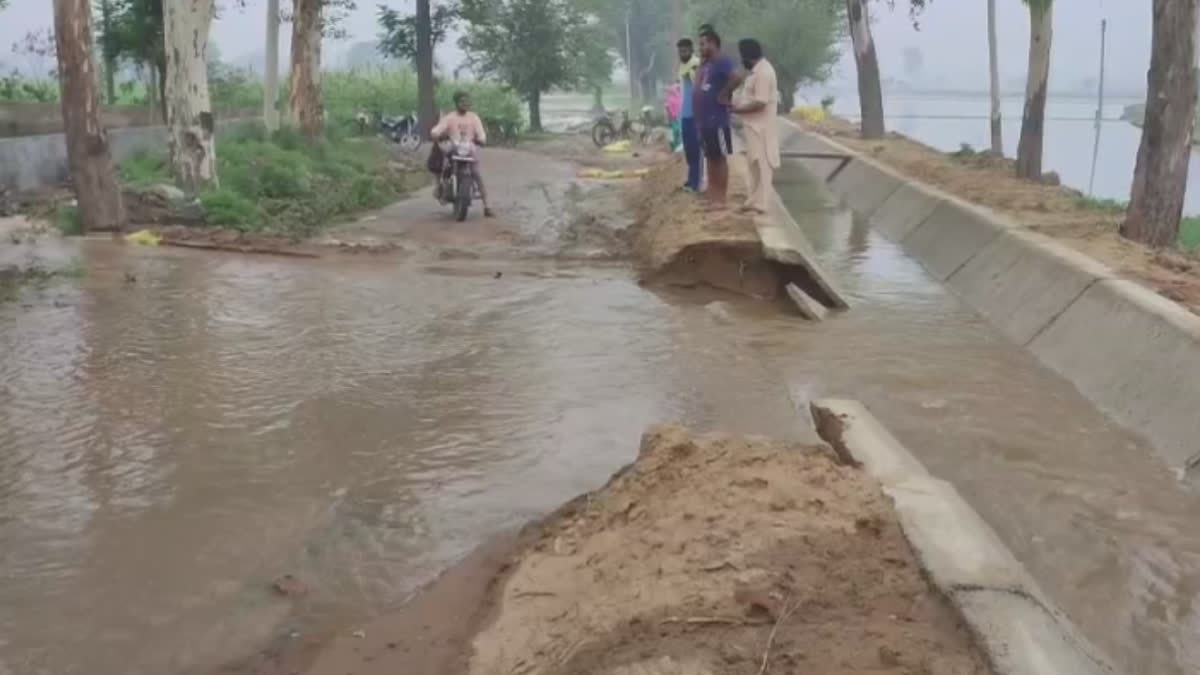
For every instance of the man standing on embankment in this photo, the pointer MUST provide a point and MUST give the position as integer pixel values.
(757, 111)
(715, 84)
(689, 64)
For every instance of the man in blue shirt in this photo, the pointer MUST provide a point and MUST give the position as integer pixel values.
(715, 83)
(689, 64)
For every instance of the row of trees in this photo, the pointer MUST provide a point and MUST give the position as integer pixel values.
(1161, 172)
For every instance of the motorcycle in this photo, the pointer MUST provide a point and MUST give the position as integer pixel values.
(456, 182)
(401, 130)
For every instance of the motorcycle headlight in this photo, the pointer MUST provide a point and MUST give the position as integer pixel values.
(446, 146)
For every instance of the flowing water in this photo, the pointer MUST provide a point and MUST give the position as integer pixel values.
(171, 445)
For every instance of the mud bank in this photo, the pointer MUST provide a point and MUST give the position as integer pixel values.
(708, 554)
(676, 241)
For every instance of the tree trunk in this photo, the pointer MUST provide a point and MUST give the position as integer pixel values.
(535, 110)
(1029, 148)
(787, 97)
(190, 124)
(425, 95)
(93, 176)
(1161, 173)
(304, 102)
(870, 90)
(994, 71)
(110, 61)
(160, 78)
(271, 74)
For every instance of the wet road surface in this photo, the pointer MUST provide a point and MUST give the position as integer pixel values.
(168, 447)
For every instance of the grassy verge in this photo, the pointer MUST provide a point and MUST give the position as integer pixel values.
(1189, 227)
(283, 185)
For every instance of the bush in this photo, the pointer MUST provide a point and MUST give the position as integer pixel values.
(394, 92)
(282, 184)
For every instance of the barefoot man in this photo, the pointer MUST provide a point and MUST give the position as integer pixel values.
(757, 111)
(715, 82)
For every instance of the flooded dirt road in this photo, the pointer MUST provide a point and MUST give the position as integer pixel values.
(178, 429)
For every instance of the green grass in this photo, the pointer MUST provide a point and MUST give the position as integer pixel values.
(283, 184)
(1189, 226)
(68, 221)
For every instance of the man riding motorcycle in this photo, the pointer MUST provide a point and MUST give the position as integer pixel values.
(461, 124)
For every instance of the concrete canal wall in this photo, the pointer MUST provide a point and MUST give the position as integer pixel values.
(1022, 631)
(1131, 352)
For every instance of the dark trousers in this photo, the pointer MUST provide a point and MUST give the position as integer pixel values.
(691, 150)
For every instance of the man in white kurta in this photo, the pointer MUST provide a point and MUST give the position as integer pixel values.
(760, 103)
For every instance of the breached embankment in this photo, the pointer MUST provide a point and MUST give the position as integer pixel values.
(677, 241)
(709, 554)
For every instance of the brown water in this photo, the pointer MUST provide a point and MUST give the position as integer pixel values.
(167, 447)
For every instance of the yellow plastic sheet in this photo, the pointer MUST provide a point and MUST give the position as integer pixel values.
(144, 238)
(809, 113)
(612, 174)
(620, 146)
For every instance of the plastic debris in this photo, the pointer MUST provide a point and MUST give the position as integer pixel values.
(144, 238)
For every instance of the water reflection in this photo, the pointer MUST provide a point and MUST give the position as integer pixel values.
(1070, 135)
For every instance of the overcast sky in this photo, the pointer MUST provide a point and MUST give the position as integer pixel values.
(952, 39)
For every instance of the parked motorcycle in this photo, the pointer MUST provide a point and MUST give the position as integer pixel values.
(456, 182)
(402, 130)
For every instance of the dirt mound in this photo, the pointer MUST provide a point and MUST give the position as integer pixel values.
(707, 551)
(678, 242)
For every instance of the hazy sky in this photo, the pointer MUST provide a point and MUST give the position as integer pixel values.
(953, 37)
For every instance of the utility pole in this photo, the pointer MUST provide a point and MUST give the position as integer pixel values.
(271, 76)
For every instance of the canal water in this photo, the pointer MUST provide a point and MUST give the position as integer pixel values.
(178, 429)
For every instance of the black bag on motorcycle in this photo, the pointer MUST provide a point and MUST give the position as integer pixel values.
(437, 159)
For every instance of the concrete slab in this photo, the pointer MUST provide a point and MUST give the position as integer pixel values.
(860, 439)
(1021, 637)
(909, 206)
(864, 186)
(809, 308)
(1136, 355)
(784, 242)
(950, 236)
(952, 541)
(1022, 281)
(1020, 630)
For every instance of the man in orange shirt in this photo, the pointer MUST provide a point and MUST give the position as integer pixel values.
(461, 124)
(758, 111)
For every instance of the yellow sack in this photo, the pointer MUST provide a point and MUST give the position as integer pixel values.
(144, 238)
(612, 175)
(809, 113)
(619, 146)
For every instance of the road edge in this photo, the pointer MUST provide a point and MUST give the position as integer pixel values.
(1013, 621)
(1131, 352)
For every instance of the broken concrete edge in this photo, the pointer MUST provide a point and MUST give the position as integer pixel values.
(784, 242)
(1075, 314)
(1020, 630)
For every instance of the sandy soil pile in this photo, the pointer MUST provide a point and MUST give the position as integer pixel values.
(1050, 209)
(678, 242)
(711, 552)
(709, 555)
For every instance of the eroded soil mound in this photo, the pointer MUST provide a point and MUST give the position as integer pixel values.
(710, 553)
(677, 241)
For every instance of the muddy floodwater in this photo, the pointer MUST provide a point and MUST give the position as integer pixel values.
(178, 429)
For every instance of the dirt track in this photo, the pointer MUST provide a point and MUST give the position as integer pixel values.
(709, 554)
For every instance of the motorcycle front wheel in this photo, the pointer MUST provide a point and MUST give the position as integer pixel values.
(463, 192)
(603, 133)
(410, 142)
